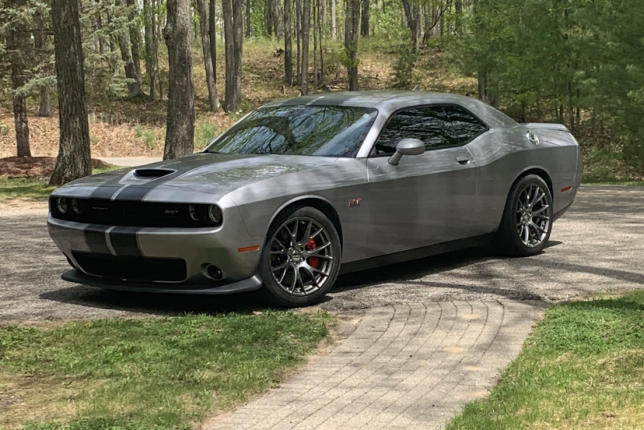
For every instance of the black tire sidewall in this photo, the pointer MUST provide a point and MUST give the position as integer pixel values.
(275, 293)
(511, 243)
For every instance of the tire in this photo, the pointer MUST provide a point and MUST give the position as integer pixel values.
(527, 218)
(301, 272)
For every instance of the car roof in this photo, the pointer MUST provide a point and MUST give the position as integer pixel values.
(370, 99)
(388, 101)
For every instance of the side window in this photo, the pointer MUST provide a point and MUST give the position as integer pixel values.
(437, 127)
(462, 125)
(426, 124)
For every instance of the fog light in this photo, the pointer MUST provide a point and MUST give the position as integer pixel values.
(215, 273)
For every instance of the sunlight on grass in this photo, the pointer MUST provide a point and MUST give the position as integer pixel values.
(34, 188)
(163, 373)
(582, 369)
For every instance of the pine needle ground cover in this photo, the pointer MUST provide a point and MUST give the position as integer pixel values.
(151, 373)
(582, 369)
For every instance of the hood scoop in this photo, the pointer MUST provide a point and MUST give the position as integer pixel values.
(152, 173)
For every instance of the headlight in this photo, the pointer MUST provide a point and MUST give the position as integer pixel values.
(75, 207)
(61, 205)
(195, 212)
(214, 213)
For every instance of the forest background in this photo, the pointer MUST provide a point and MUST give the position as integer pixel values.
(164, 77)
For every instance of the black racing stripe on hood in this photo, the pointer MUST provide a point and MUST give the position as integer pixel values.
(124, 242)
(138, 192)
(96, 240)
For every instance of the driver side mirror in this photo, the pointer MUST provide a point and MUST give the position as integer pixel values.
(407, 147)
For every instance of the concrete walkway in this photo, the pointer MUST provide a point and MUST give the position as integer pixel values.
(130, 161)
(411, 366)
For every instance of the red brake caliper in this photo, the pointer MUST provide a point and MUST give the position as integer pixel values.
(314, 262)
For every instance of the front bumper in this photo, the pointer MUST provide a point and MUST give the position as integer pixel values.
(225, 247)
(77, 276)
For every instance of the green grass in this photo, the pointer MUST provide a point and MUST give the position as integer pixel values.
(150, 373)
(33, 188)
(582, 369)
(23, 188)
(205, 130)
(607, 166)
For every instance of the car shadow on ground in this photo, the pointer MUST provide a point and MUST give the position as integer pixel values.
(172, 304)
(158, 303)
(412, 271)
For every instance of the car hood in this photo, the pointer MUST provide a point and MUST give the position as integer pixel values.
(201, 178)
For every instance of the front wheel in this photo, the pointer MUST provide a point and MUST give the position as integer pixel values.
(301, 258)
(527, 219)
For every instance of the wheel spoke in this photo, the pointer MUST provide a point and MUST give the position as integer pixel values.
(296, 277)
(281, 266)
(535, 198)
(526, 234)
(307, 234)
(289, 261)
(541, 209)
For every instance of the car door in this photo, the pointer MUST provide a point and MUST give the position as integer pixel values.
(426, 199)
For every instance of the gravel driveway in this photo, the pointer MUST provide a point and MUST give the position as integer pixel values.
(597, 247)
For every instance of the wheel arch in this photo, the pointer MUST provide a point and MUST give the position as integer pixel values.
(539, 171)
(317, 202)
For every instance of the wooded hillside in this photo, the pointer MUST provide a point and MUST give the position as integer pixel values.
(576, 62)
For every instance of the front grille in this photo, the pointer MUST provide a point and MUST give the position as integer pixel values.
(132, 268)
(132, 214)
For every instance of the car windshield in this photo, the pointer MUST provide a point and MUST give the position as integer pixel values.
(324, 131)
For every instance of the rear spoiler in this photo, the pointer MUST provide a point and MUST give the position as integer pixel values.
(545, 126)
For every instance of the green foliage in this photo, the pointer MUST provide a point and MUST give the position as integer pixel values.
(148, 135)
(404, 66)
(205, 131)
(160, 373)
(576, 62)
(584, 364)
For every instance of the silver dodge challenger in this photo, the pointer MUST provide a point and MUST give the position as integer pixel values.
(302, 190)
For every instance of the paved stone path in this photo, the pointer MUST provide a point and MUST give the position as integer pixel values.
(409, 366)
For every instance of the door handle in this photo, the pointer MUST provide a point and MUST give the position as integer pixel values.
(462, 160)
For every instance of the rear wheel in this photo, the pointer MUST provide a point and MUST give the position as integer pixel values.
(527, 219)
(301, 259)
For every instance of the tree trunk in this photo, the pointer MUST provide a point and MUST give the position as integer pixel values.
(351, 24)
(334, 22)
(45, 102)
(288, 46)
(213, 98)
(306, 30)
(133, 87)
(458, 5)
(151, 45)
(99, 24)
(277, 19)
(248, 19)
(364, 25)
(234, 32)
(179, 139)
(298, 37)
(268, 17)
(320, 3)
(135, 37)
(212, 32)
(42, 40)
(316, 20)
(17, 41)
(74, 159)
